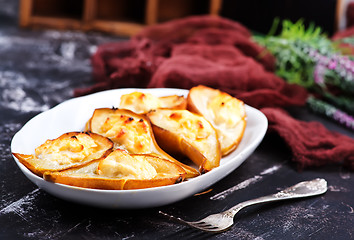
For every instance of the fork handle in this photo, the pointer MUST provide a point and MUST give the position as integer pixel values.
(300, 190)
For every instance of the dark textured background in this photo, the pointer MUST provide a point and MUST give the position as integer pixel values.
(39, 69)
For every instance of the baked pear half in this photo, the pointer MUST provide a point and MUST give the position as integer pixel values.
(121, 171)
(69, 150)
(132, 132)
(142, 103)
(183, 132)
(226, 113)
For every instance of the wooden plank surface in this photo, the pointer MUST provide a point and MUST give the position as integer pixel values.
(155, 11)
(25, 12)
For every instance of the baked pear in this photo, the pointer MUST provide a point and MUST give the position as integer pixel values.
(183, 132)
(226, 113)
(132, 132)
(173, 102)
(69, 150)
(121, 171)
(142, 103)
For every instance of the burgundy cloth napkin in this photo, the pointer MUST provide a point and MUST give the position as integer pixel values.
(218, 53)
(310, 142)
(347, 48)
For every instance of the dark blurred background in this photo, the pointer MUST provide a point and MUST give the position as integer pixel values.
(258, 15)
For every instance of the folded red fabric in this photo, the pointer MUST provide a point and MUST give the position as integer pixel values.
(347, 48)
(226, 68)
(218, 53)
(310, 142)
(134, 62)
(348, 32)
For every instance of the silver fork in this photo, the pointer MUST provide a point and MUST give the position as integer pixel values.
(222, 221)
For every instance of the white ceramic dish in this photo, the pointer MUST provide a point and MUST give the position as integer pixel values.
(72, 115)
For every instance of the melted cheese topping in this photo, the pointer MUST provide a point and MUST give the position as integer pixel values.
(226, 113)
(189, 126)
(128, 132)
(119, 164)
(139, 102)
(225, 110)
(172, 101)
(68, 150)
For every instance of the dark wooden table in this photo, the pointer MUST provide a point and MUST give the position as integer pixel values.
(40, 69)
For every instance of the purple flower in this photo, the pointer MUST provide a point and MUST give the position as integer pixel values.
(344, 118)
(318, 74)
(332, 65)
(312, 53)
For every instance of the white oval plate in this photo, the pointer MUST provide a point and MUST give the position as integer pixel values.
(72, 115)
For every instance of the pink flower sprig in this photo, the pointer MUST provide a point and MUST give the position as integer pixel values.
(331, 112)
(318, 74)
(334, 68)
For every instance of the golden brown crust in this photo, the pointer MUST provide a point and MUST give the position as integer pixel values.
(26, 160)
(171, 139)
(143, 103)
(173, 102)
(212, 126)
(167, 174)
(199, 101)
(39, 166)
(101, 115)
